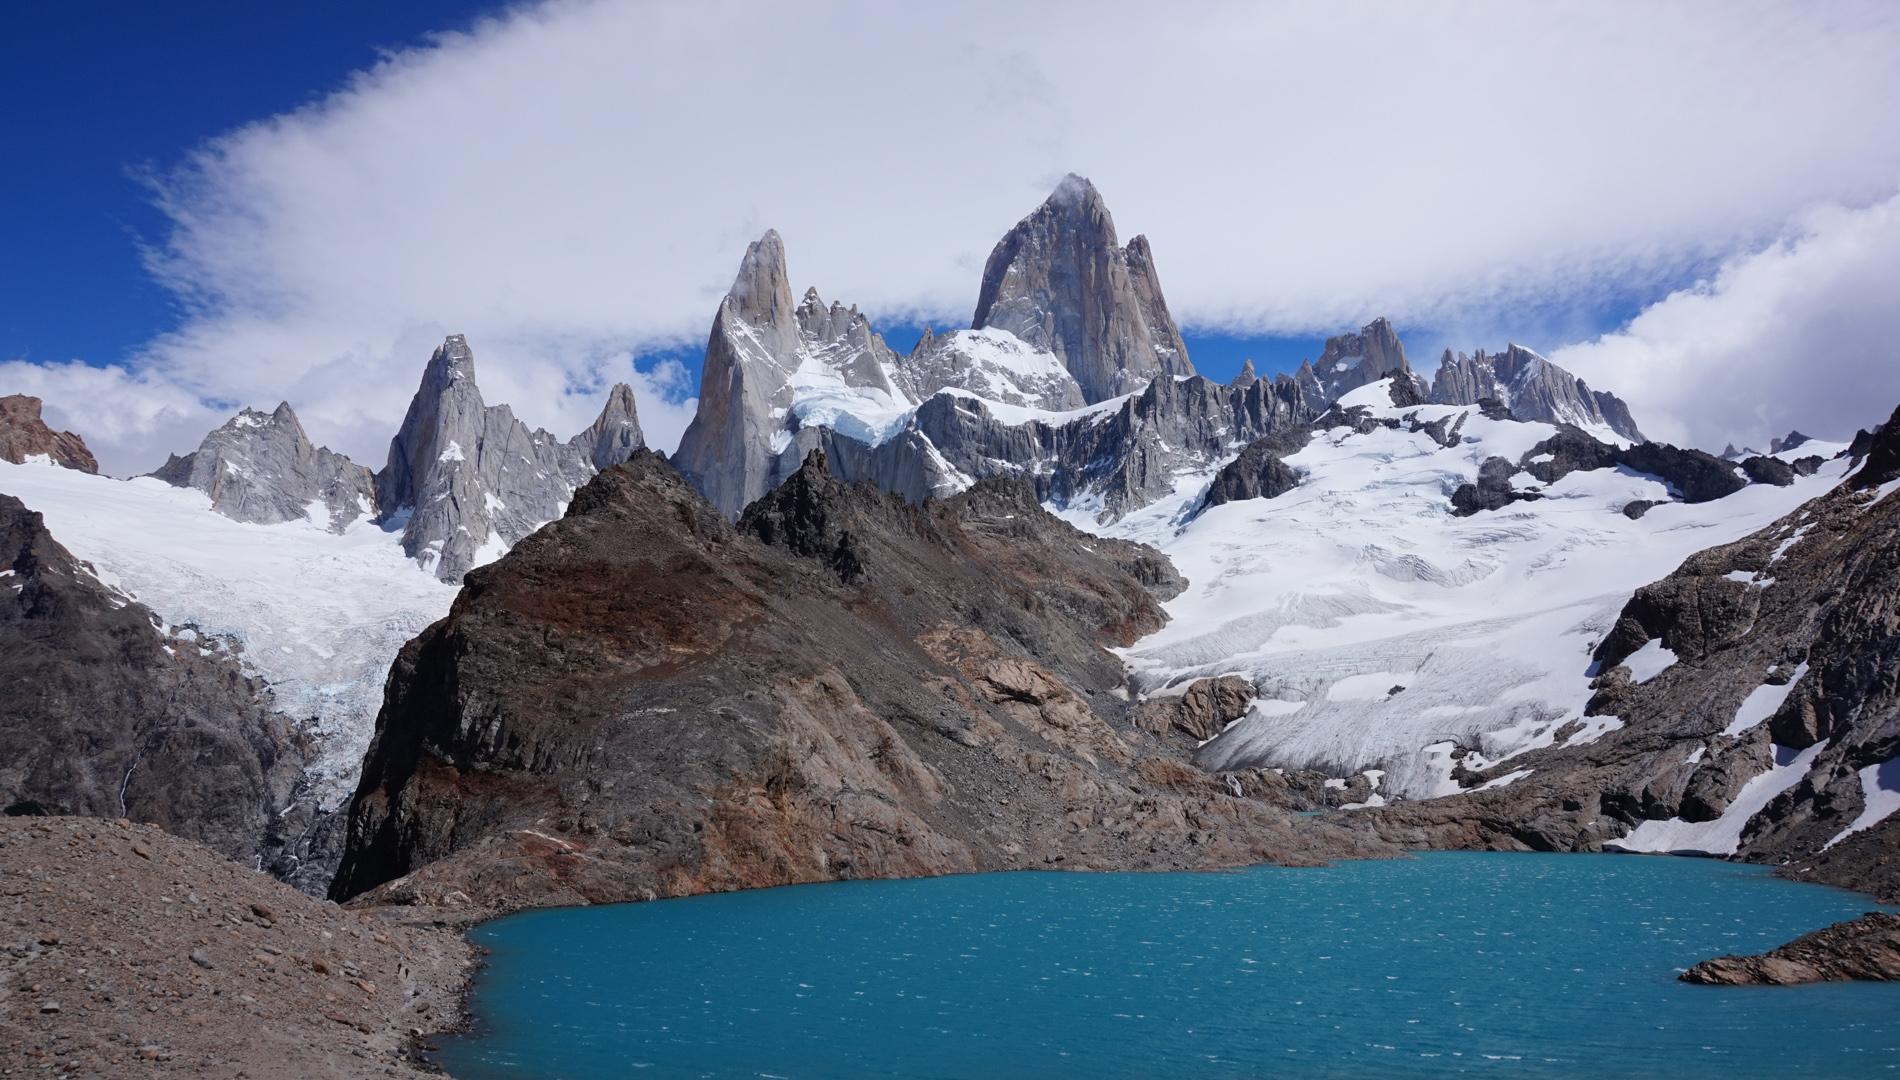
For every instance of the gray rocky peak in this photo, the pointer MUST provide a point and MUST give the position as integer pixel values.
(1060, 281)
(1351, 361)
(24, 435)
(260, 467)
(733, 450)
(840, 340)
(615, 434)
(466, 480)
(745, 384)
(1532, 387)
(1247, 374)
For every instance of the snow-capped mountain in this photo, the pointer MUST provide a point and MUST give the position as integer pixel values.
(463, 482)
(1385, 631)
(1396, 587)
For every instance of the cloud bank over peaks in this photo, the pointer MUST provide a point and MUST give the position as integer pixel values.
(1801, 333)
(572, 183)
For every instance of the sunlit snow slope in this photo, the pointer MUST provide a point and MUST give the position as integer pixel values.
(317, 614)
(1385, 633)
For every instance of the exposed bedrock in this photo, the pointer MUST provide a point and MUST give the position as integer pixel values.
(643, 700)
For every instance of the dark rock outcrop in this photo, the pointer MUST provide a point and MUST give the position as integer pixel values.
(642, 700)
(24, 434)
(1259, 472)
(1867, 948)
(1201, 711)
(1696, 476)
(111, 714)
(1060, 281)
(1767, 470)
(1491, 491)
(260, 467)
(1788, 442)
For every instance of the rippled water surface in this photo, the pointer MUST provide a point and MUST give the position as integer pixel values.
(1447, 964)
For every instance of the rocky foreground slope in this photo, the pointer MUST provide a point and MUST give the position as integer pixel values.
(127, 952)
(644, 700)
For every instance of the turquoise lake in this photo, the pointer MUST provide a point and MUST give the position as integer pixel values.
(1444, 965)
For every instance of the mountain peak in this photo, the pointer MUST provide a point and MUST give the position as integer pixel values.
(260, 467)
(1074, 190)
(762, 292)
(1059, 281)
(615, 434)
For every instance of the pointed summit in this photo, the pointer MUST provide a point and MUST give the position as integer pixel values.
(467, 480)
(615, 434)
(750, 412)
(260, 467)
(1060, 282)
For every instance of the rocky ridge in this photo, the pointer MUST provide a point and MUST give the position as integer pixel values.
(643, 700)
(1533, 388)
(260, 467)
(111, 713)
(23, 435)
(1867, 948)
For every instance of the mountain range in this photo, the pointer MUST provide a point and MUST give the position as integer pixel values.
(1036, 593)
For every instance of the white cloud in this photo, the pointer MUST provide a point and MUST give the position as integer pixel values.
(113, 409)
(575, 181)
(1799, 334)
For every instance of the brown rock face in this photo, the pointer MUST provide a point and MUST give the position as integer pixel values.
(106, 715)
(1867, 948)
(23, 434)
(643, 700)
(1200, 712)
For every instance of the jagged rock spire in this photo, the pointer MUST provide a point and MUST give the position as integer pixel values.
(468, 480)
(615, 434)
(1060, 282)
(747, 414)
(1533, 387)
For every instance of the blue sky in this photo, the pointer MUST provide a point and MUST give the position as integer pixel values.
(209, 205)
(109, 94)
(100, 94)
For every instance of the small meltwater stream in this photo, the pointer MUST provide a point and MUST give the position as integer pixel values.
(1483, 964)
